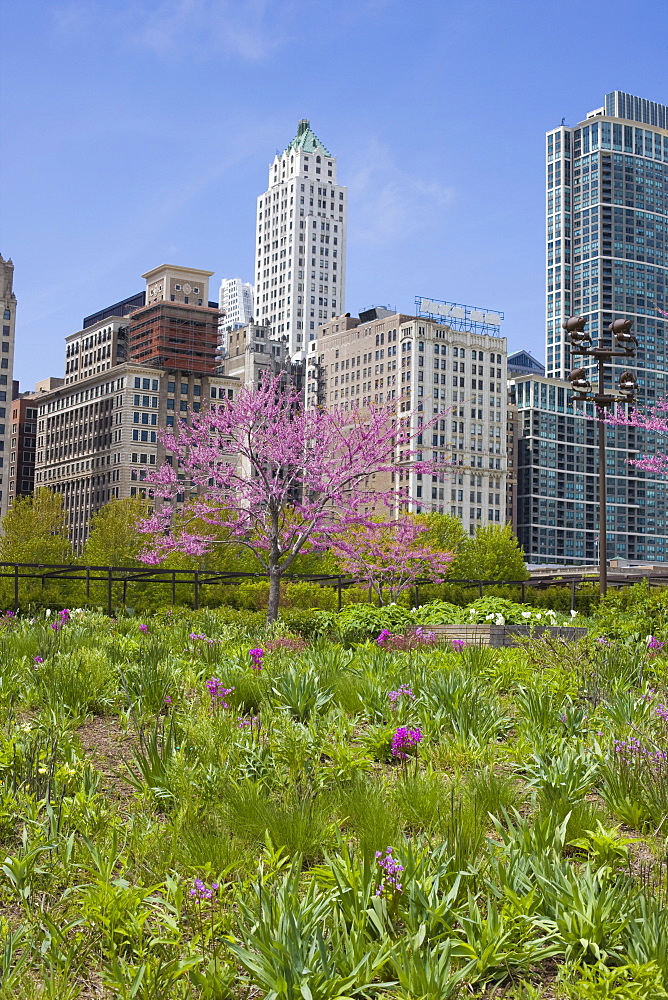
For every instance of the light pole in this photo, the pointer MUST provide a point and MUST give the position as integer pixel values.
(626, 346)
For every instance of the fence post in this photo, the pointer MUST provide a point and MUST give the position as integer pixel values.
(196, 590)
(573, 585)
(87, 583)
(480, 589)
(109, 583)
(16, 586)
(173, 587)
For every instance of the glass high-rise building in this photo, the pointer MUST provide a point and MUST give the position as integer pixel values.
(607, 258)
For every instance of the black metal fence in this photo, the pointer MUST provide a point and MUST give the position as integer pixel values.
(196, 579)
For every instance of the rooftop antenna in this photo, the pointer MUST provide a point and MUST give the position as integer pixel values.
(563, 121)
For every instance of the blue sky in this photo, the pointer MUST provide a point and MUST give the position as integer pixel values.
(139, 132)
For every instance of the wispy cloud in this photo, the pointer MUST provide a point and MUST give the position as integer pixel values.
(248, 29)
(391, 203)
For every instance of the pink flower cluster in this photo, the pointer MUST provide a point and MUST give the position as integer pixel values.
(654, 643)
(63, 618)
(196, 637)
(662, 712)
(632, 751)
(248, 723)
(402, 643)
(402, 692)
(201, 891)
(405, 739)
(289, 644)
(458, 645)
(392, 870)
(218, 692)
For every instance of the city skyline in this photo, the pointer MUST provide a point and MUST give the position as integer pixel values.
(103, 178)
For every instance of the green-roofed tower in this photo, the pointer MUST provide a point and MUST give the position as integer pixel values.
(300, 252)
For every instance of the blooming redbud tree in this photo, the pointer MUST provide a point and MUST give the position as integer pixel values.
(654, 420)
(278, 479)
(389, 558)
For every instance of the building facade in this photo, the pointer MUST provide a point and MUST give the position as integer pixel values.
(607, 258)
(8, 309)
(177, 328)
(607, 243)
(300, 247)
(554, 456)
(136, 368)
(251, 355)
(98, 347)
(22, 445)
(429, 369)
(98, 439)
(235, 303)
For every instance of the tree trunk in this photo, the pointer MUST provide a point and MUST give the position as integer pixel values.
(274, 596)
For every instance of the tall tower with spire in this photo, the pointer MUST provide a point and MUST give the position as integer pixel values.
(300, 246)
(8, 310)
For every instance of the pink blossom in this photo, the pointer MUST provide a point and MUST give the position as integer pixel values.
(390, 558)
(278, 479)
(655, 419)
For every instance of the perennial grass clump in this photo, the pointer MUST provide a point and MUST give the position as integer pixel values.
(192, 808)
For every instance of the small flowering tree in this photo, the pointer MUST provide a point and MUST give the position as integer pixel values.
(389, 558)
(279, 480)
(655, 421)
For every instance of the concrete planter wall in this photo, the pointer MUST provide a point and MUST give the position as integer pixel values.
(504, 635)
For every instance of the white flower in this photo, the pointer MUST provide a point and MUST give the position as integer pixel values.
(574, 614)
(538, 615)
(526, 614)
(47, 612)
(489, 618)
(500, 620)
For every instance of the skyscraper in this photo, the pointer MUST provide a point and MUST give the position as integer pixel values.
(8, 308)
(607, 257)
(235, 301)
(300, 251)
(607, 198)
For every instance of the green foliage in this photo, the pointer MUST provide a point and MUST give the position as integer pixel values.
(122, 781)
(636, 610)
(114, 539)
(34, 530)
(493, 553)
(622, 982)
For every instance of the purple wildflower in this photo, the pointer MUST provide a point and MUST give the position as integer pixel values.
(402, 692)
(218, 693)
(38, 659)
(405, 739)
(662, 712)
(654, 643)
(383, 637)
(256, 658)
(458, 645)
(143, 628)
(392, 869)
(201, 891)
